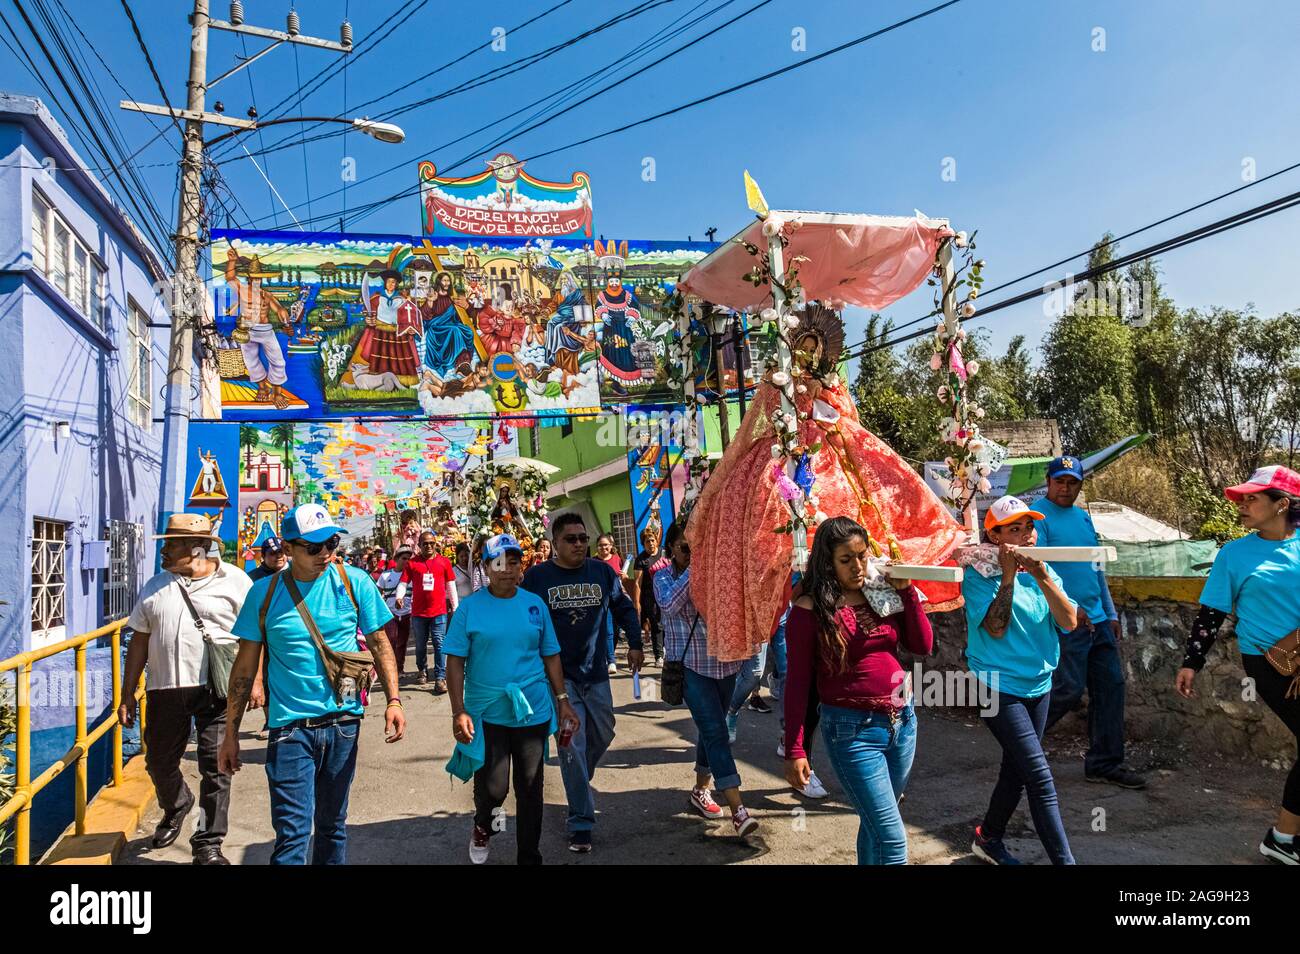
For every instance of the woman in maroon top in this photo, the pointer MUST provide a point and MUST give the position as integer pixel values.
(840, 643)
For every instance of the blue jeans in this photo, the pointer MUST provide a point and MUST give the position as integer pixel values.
(1018, 725)
(424, 629)
(594, 704)
(708, 700)
(609, 639)
(1090, 660)
(310, 773)
(777, 645)
(747, 679)
(872, 754)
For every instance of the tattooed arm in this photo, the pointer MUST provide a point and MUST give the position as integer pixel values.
(242, 676)
(386, 665)
(998, 616)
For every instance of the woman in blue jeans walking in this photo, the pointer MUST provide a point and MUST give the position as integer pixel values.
(1013, 608)
(708, 687)
(840, 641)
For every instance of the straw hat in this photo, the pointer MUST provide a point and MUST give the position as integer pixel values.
(187, 526)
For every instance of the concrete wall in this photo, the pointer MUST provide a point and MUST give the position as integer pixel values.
(1156, 616)
(1039, 437)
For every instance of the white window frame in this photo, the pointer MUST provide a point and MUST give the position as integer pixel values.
(622, 527)
(49, 569)
(86, 295)
(139, 388)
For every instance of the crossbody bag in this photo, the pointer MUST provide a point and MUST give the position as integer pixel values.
(220, 656)
(672, 678)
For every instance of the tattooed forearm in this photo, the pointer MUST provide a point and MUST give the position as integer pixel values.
(241, 687)
(998, 616)
(385, 662)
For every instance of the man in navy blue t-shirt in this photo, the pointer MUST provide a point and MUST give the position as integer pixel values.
(580, 592)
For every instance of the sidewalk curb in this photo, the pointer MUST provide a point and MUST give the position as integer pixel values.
(111, 821)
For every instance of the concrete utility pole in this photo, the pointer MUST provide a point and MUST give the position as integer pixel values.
(187, 304)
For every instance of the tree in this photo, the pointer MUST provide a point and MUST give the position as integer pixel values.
(282, 434)
(1156, 353)
(249, 437)
(881, 408)
(1087, 377)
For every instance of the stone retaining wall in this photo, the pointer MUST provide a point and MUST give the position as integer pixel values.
(1156, 616)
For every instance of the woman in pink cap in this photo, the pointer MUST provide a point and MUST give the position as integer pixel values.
(1257, 577)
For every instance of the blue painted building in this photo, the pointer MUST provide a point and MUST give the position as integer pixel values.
(84, 334)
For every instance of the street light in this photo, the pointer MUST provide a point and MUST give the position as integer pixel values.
(384, 132)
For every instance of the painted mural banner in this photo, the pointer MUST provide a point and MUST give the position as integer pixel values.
(504, 201)
(320, 326)
(266, 485)
(212, 476)
(650, 471)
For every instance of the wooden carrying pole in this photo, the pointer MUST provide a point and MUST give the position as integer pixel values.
(948, 276)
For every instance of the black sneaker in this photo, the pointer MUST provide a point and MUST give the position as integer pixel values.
(1124, 778)
(756, 704)
(580, 841)
(1270, 847)
(991, 850)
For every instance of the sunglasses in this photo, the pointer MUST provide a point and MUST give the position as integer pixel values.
(576, 538)
(314, 549)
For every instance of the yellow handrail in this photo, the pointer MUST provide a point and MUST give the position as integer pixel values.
(26, 788)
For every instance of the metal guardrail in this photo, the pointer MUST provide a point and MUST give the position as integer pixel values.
(26, 788)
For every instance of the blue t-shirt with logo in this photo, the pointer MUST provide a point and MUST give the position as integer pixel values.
(503, 642)
(297, 686)
(1259, 580)
(1082, 582)
(1028, 652)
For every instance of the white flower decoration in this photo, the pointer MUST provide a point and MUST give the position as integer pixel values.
(780, 379)
(768, 314)
(968, 309)
(960, 240)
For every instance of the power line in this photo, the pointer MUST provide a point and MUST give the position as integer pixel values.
(1227, 224)
(669, 33)
(373, 206)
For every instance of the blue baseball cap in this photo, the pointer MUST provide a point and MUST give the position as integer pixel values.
(310, 522)
(1065, 466)
(500, 545)
(272, 545)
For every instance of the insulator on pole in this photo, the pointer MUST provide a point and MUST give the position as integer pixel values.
(345, 33)
(294, 26)
(236, 12)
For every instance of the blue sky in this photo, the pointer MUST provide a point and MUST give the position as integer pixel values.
(1054, 142)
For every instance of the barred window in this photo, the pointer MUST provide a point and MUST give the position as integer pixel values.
(140, 367)
(66, 262)
(125, 544)
(622, 527)
(49, 563)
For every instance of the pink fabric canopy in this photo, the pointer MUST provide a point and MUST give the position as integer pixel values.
(867, 260)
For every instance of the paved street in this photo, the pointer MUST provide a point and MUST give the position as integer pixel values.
(404, 809)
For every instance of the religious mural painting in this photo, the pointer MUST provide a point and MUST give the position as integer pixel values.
(323, 326)
(504, 201)
(266, 485)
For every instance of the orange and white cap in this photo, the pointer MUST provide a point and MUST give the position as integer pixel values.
(1006, 510)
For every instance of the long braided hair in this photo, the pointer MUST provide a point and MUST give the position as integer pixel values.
(822, 586)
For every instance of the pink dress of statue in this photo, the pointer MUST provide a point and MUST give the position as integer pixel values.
(740, 568)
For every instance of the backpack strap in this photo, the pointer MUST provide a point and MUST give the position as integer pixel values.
(347, 585)
(266, 604)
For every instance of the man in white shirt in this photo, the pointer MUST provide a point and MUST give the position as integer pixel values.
(179, 691)
(398, 629)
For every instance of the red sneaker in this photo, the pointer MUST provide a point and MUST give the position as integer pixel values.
(702, 801)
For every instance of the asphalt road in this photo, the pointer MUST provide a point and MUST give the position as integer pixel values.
(405, 809)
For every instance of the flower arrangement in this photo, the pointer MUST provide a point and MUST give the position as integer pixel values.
(959, 427)
(480, 497)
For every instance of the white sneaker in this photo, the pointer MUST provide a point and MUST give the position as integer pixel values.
(780, 748)
(814, 788)
(478, 845)
(613, 669)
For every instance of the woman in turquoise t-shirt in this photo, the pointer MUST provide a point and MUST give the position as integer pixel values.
(1258, 578)
(1013, 609)
(501, 654)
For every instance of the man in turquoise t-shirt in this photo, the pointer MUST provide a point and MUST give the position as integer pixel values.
(1090, 654)
(312, 753)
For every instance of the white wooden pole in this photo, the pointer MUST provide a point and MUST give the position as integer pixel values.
(784, 357)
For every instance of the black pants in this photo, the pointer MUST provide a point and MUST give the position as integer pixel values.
(168, 720)
(1272, 686)
(657, 639)
(525, 746)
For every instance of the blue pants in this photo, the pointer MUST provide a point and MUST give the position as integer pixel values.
(310, 773)
(423, 630)
(872, 754)
(1018, 725)
(594, 704)
(610, 657)
(1090, 660)
(708, 700)
(747, 679)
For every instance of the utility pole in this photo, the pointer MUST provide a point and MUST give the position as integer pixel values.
(188, 304)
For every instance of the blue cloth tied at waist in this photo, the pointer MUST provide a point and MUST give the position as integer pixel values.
(468, 757)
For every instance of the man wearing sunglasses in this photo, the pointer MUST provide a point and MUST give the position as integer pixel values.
(432, 583)
(581, 593)
(312, 753)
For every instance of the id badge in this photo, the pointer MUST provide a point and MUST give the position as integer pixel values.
(428, 581)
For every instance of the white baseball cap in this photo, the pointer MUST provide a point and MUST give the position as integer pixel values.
(310, 522)
(1006, 510)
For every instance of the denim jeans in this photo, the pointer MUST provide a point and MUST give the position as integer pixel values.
(310, 773)
(872, 754)
(424, 629)
(1018, 725)
(594, 704)
(1090, 660)
(777, 644)
(747, 679)
(708, 700)
(610, 656)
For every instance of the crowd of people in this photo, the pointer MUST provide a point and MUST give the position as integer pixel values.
(524, 648)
